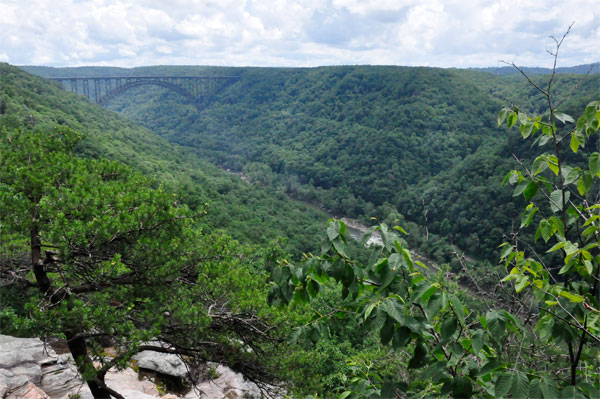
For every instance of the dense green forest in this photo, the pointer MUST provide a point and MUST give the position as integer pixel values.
(249, 213)
(117, 203)
(129, 233)
(417, 145)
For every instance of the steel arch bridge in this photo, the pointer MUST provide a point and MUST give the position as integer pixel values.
(197, 90)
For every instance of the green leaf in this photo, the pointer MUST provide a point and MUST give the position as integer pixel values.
(574, 143)
(534, 389)
(345, 394)
(333, 230)
(548, 388)
(380, 319)
(570, 174)
(510, 277)
(314, 333)
(434, 306)
(547, 230)
(556, 246)
(508, 249)
(340, 248)
(588, 388)
(436, 372)
(456, 349)
(369, 310)
(539, 165)
(584, 183)
(552, 162)
(528, 215)
(530, 190)
(462, 387)
(511, 120)
(521, 283)
(556, 199)
(513, 321)
(503, 384)
(457, 306)
(571, 392)
(388, 390)
(564, 118)
(590, 112)
(520, 386)
(448, 328)
(565, 268)
(419, 356)
(312, 287)
(571, 248)
(477, 341)
(519, 188)
(388, 237)
(576, 298)
(387, 332)
(401, 337)
(594, 163)
(395, 261)
(388, 277)
(414, 324)
(389, 307)
(545, 139)
(429, 292)
(526, 129)
(496, 323)
(502, 115)
(490, 366)
(400, 229)
(424, 292)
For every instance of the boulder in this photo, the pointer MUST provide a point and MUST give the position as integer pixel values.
(228, 385)
(128, 380)
(164, 363)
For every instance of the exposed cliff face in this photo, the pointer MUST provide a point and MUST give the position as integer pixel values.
(30, 369)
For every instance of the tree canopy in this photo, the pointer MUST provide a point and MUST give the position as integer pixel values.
(91, 251)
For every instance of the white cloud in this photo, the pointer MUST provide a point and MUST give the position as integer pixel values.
(295, 32)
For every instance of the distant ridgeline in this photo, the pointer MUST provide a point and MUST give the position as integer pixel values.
(405, 144)
(509, 70)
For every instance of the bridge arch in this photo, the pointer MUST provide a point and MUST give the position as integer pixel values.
(197, 90)
(109, 96)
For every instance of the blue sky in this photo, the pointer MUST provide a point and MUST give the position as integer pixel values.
(446, 33)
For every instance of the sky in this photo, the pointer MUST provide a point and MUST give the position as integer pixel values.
(443, 33)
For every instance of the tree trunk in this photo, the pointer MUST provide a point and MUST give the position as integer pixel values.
(76, 344)
(37, 264)
(78, 349)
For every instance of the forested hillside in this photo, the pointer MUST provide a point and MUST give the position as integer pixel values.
(414, 144)
(133, 233)
(250, 213)
(95, 250)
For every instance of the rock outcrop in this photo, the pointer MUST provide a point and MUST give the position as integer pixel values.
(228, 385)
(31, 369)
(164, 363)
